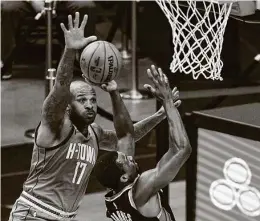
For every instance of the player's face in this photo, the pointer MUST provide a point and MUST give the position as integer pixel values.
(84, 104)
(128, 164)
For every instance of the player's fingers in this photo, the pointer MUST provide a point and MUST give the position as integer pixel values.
(151, 77)
(176, 95)
(165, 80)
(149, 74)
(177, 103)
(150, 89)
(63, 27)
(90, 39)
(147, 86)
(76, 21)
(85, 78)
(174, 90)
(84, 22)
(70, 25)
(161, 75)
(104, 86)
(154, 72)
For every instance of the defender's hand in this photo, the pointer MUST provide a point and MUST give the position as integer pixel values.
(161, 84)
(74, 36)
(156, 93)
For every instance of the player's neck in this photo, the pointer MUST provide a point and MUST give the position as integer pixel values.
(81, 126)
(122, 186)
(84, 130)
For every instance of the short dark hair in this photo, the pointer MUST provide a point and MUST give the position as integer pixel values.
(107, 172)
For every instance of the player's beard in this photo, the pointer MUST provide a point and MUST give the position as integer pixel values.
(89, 116)
(81, 121)
(88, 119)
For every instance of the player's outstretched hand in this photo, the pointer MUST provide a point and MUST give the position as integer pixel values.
(158, 77)
(74, 35)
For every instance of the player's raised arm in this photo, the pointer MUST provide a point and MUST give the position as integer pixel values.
(108, 138)
(55, 104)
(122, 120)
(144, 126)
(179, 147)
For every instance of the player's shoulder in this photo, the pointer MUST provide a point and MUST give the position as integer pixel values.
(121, 197)
(144, 187)
(97, 128)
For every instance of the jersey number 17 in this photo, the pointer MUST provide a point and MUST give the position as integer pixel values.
(79, 172)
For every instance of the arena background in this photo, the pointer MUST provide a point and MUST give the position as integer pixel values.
(22, 96)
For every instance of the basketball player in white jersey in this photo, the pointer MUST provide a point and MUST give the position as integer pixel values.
(136, 196)
(67, 141)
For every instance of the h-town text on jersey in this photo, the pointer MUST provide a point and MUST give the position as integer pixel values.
(81, 152)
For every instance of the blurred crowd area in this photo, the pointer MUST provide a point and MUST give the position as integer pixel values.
(23, 38)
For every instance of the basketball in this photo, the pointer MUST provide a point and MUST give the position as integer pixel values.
(100, 62)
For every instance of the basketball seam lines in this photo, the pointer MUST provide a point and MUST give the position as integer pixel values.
(91, 58)
(116, 60)
(104, 62)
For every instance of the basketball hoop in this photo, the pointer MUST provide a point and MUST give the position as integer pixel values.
(197, 30)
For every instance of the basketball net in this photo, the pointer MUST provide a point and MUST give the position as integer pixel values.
(197, 31)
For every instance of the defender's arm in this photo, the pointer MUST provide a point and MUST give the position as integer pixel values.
(167, 168)
(141, 128)
(179, 147)
(109, 139)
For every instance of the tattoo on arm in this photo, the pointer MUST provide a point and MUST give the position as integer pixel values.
(122, 120)
(108, 141)
(123, 125)
(65, 69)
(51, 110)
(56, 103)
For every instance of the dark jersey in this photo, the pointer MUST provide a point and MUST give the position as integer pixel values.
(120, 207)
(59, 175)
